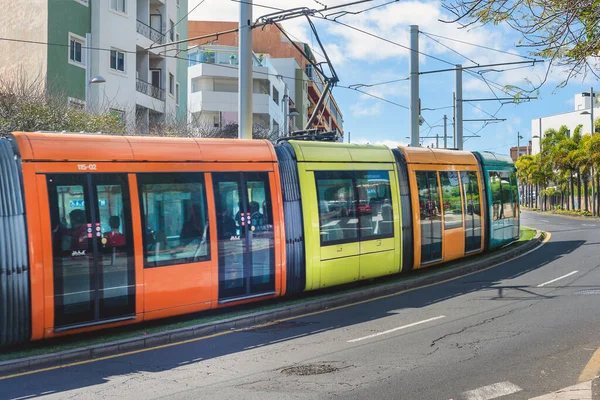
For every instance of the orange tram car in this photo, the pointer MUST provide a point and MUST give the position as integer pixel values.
(99, 231)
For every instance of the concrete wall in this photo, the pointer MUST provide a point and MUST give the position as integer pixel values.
(26, 23)
(570, 119)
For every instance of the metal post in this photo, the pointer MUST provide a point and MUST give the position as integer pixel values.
(88, 67)
(454, 120)
(459, 111)
(437, 141)
(348, 136)
(414, 85)
(592, 108)
(518, 144)
(245, 71)
(540, 138)
(445, 132)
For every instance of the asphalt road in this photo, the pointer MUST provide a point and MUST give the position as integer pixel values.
(506, 330)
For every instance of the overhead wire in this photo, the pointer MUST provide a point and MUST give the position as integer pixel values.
(480, 46)
(451, 49)
(184, 17)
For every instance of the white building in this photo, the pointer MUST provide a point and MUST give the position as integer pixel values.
(105, 38)
(213, 89)
(580, 116)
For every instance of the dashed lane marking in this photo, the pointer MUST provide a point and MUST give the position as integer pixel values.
(397, 329)
(557, 279)
(492, 391)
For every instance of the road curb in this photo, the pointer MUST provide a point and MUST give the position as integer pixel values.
(114, 348)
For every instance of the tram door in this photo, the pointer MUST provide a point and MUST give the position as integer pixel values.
(470, 189)
(430, 216)
(245, 233)
(92, 249)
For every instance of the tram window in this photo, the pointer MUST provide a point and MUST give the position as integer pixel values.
(472, 211)
(503, 201)
(337, 207)
(451, 200)
(175, 218)
(374, 206)
(431, 221)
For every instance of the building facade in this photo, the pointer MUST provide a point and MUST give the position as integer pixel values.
(108, 39)
(580, 116)
(515, 152)
(271, 43)
(213, 90)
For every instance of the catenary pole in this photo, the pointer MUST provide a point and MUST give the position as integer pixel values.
(459, 110)
(245, 71)
(414, 85)
(445, 131)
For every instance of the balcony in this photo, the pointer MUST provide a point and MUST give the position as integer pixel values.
(150, 90)
(150, 33)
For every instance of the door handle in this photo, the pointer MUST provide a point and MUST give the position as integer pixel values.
(340, 248)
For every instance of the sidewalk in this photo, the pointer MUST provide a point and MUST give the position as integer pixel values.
(249, 319)
(588, 390)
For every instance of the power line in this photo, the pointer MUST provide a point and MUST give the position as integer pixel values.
(384, 39)
(380, 83)
(258, 5)
(449, 48)
(344, 13)
(184, 17)
(374, 96)
(480, 46)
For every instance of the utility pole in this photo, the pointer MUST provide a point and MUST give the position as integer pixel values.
(414, 85)
(518, 144)
(437, 141)
(245, 71)
(445, 132)
(459, 111)
(454, 120)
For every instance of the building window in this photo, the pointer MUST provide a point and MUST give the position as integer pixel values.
(119, 5)
(275, 95)
(177, 93)
(120, 114)
(76, 45)
(172, 30)
(171, 84)
(117, 60)
(175, 218)
(75, 104)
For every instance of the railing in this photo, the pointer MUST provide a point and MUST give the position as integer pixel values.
(150, 90)
(150, 33)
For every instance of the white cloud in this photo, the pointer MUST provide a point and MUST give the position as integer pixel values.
(361, 110)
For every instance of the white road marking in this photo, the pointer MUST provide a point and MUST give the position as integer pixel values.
(557, 279)
(492, 391)
(397, 329)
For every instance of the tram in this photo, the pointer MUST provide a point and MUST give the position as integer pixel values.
(100, 231)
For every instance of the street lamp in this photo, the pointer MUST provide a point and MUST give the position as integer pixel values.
(519, 137)
(98, 79)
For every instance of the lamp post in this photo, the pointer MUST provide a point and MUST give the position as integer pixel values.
(537, 189)
(293, 115)
(592, 131)
(97, 79)
(88, 71)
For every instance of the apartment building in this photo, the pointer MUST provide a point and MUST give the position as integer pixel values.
(271, 43)
(108, 39)
(213, 90)
(579, 116)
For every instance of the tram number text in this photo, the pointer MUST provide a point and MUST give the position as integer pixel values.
(234, 238)
(87, 167)
(78, 253)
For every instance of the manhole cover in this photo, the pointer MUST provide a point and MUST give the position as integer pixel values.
(587, 292)
(310, 369)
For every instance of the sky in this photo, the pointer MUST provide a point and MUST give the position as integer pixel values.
(362, 59)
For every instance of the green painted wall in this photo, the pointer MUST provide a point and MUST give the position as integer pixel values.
(66, 16)
(182, 65)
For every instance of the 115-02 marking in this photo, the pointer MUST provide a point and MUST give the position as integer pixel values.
(87, 167)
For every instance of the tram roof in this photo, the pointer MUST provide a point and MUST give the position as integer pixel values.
(52, 146)
(424, 155)
(309, 151)
(488, 159)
